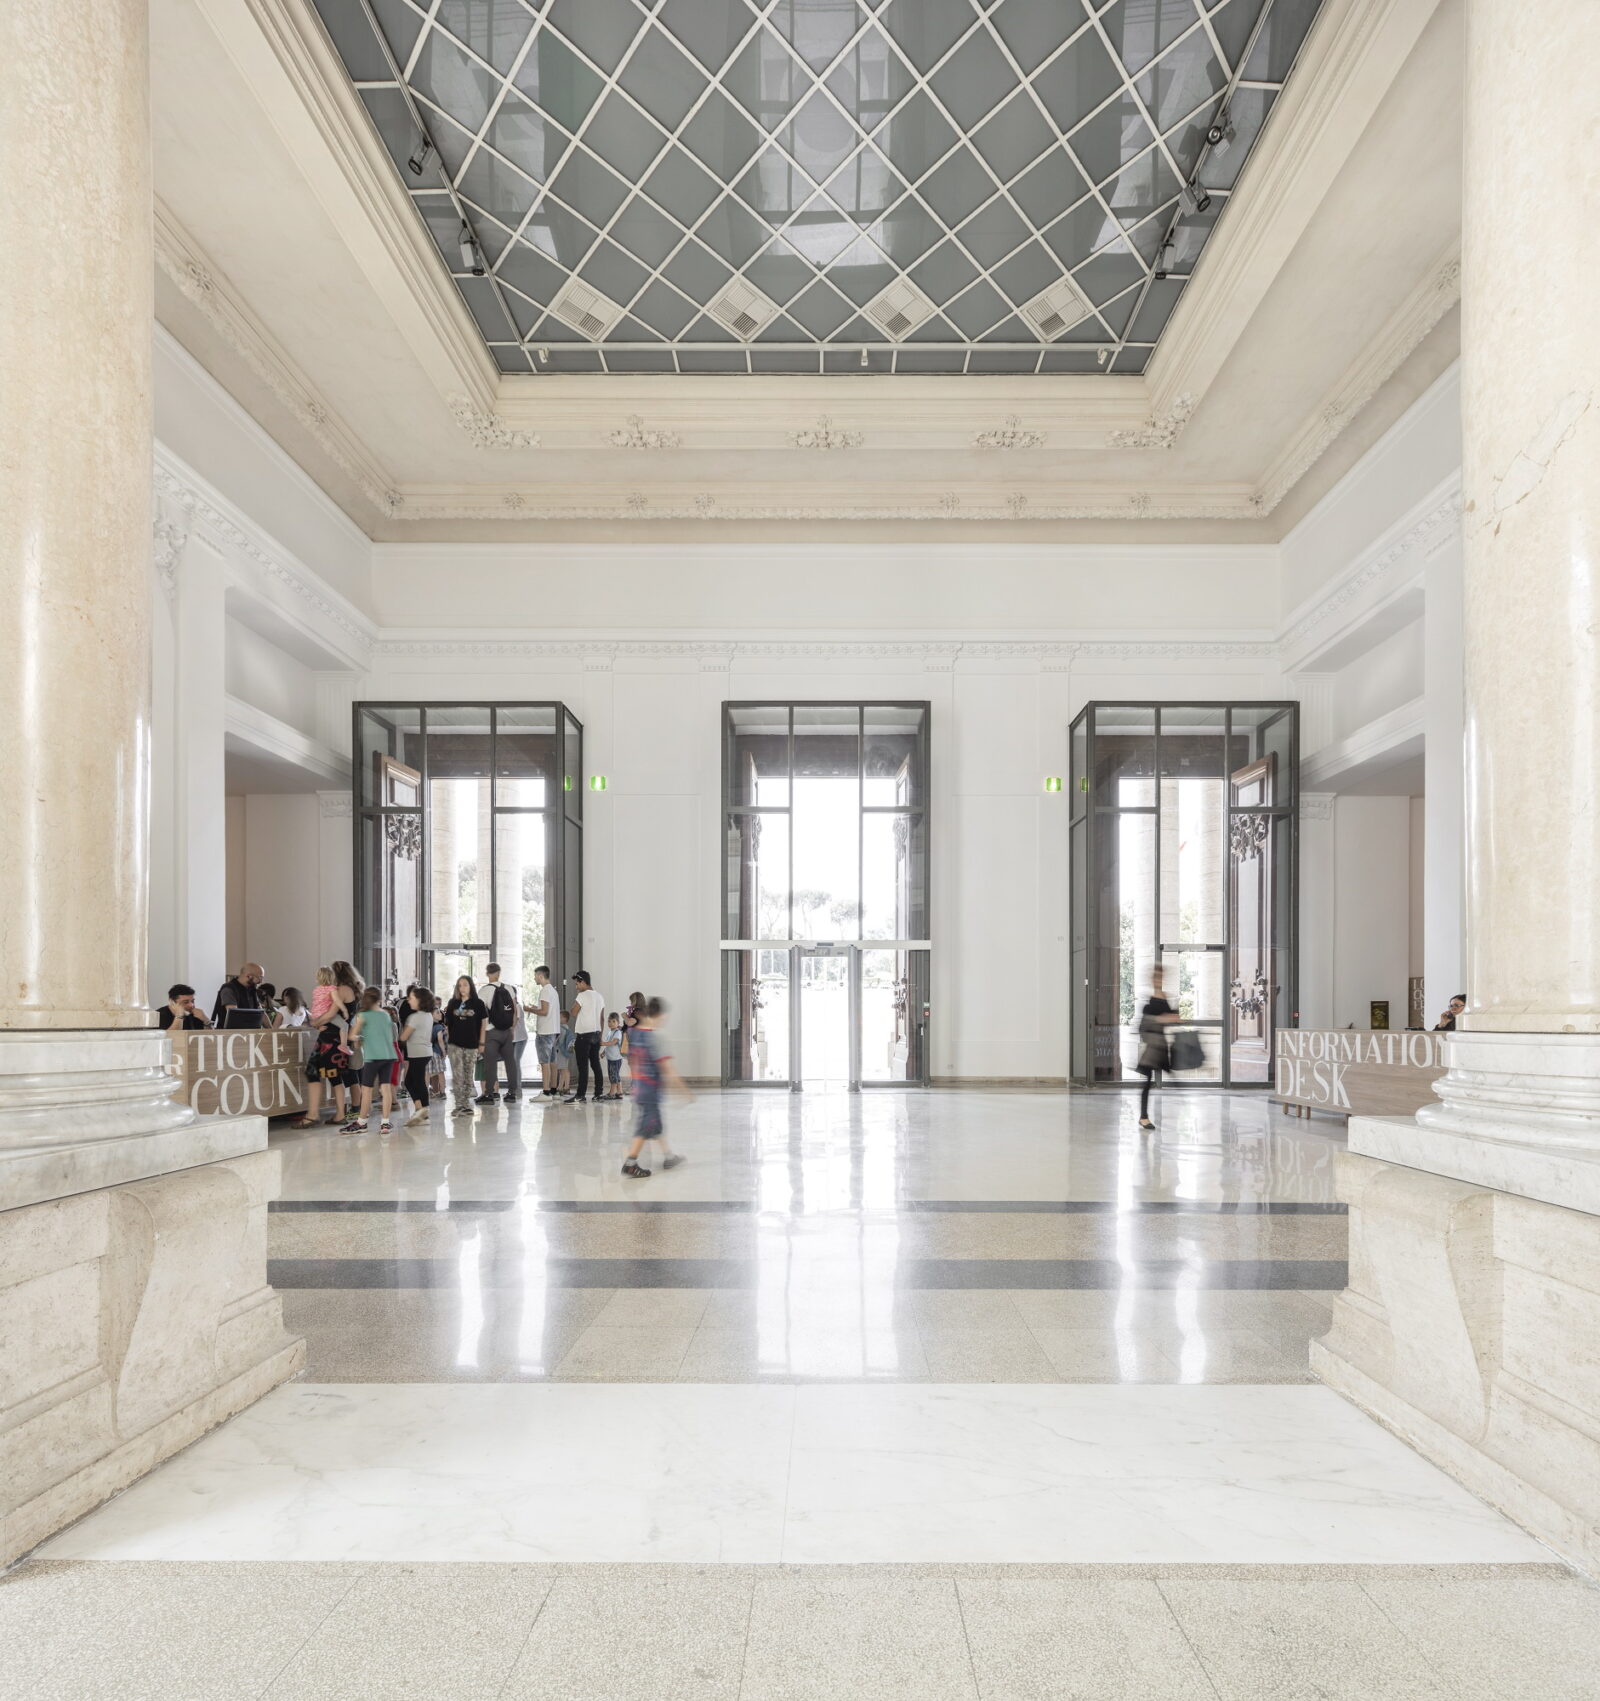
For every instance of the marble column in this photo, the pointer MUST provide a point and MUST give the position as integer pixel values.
(76, 258)
(1443, 929)
(1471, 1323)
(134, 1308)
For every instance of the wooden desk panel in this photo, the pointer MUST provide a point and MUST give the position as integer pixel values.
(1356, 1072)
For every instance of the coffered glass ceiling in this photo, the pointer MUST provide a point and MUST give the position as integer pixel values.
(770, 186)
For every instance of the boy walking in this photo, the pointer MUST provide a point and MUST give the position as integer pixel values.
(652, 1068)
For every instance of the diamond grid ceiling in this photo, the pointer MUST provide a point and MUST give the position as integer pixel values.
(819, 151)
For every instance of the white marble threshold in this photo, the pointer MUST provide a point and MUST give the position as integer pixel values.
(803, 1475)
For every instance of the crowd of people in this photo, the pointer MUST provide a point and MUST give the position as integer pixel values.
(371, 1048)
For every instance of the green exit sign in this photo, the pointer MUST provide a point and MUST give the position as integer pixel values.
(1052, 782)
(597, 782)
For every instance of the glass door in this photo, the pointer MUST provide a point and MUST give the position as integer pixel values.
(825, 1038)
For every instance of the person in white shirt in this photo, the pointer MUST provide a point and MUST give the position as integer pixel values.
(545, 1009)
(588, 1019)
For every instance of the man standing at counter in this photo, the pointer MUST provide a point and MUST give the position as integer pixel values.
(239, 993)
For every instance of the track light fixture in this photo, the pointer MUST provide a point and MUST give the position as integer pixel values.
(1193, 199)
(544, 357)
(418, 162)
(1221, 131)
(471, 253)
(864, 361)
(1101, 356)
(1168, 243)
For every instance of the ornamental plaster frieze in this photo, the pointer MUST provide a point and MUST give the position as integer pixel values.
(485, 430)
(1402, 333)
(934, 654)
(1160, 432)
(1395, 559)
(200, 283)
(254, 555)
(169, 532)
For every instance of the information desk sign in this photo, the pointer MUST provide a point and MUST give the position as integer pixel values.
(243, 1072)
(1351, 1073)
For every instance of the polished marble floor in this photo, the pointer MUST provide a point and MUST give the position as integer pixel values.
(971, 1393)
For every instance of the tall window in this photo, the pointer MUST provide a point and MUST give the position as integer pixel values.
(1183, 855)
(469, 841)
(825, 883)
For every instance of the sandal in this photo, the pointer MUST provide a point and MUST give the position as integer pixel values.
(306, 1122)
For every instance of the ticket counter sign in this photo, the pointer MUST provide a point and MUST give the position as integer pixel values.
(243, 1072)
(1355, 1073)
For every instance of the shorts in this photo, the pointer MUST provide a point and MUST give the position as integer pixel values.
(613, 1068)
(379, 1072)
(648, 1127)
(547, 1044)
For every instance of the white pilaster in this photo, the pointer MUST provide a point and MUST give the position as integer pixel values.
(1443, 918)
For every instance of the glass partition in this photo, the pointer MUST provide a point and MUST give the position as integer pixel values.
(468, 841)
(1184, 853)
(825, 850)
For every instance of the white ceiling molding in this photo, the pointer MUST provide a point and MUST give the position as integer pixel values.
(199, 281)
(876, 499)
(1351, 57)
(595, 654)
(485, 429)
(261, 566)
(1392, 565)
(1380, 742)
(1155, 433)
(1405, 328)
(284, 55)
(254, 729)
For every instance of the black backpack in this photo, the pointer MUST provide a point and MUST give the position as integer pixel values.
(502, 1008)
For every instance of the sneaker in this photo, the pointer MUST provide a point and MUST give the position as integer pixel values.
(487, 1098)
(635, 1171)
(354, 1127)
(462, 1110)
(385, 1128)
(574, 1098)
(672, 1162)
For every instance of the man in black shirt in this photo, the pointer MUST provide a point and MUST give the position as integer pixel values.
(179, 1010)
(239, 993)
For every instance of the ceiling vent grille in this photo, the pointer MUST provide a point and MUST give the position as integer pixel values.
(1057, 309)
(586, 310)
(743, 309)
(899, 309)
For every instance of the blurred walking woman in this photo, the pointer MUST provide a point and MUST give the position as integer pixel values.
(1154, 1051)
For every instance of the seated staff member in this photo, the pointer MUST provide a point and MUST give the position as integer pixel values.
(179, 1011)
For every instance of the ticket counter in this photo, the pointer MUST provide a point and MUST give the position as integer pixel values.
(244, 1071)
(1351, 1072)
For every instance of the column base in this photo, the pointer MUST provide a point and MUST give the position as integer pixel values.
(135, 1318)
(1471, 1327)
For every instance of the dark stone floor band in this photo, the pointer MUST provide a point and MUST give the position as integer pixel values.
(746, 1207)
(1019, 1273)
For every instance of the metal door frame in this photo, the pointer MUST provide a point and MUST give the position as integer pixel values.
(850, 951)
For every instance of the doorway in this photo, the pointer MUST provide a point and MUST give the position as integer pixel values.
(825, 906)
(826, 1017)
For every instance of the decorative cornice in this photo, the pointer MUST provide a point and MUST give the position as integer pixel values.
(1316, 805)
(333, 805)
(183, 261)
(636, 435)
(1156, 433)
(177, 488)
(860, 499)
(1009, 435)
(825, 435)
(1405, 328)
(715, 656)
(485, 430)
(1429, 532)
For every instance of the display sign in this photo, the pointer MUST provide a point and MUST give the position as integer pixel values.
(243, 1072)
(1381, 1073)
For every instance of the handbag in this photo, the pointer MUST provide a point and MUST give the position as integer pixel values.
(1187, 1053)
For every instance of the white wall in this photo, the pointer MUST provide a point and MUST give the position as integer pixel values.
(1371, 907)
(263, 674)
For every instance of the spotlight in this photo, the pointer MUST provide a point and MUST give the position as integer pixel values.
(544, 357)
(1193, 199)
(471, 253)
(1221, 132)
(419, 158)
(1101, 356)
(864, 362)
(1168, 243)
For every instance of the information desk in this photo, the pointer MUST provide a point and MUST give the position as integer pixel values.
(1352, 1072)
(246, 1071)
